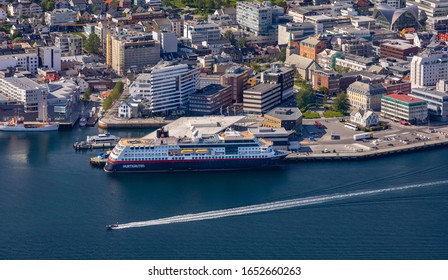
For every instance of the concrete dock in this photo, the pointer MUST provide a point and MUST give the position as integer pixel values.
(367, 154)
(107, 123)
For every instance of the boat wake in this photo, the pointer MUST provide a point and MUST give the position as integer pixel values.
(271, 206)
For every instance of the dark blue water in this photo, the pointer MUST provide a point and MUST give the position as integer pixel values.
(53, 205)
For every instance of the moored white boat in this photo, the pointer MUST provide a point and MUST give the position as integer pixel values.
(14, 126)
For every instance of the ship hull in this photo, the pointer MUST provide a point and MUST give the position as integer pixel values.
(192, 165)
(21, 128)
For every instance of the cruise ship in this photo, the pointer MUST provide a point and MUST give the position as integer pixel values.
(229, 150)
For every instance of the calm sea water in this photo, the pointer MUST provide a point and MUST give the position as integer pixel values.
(53, 205)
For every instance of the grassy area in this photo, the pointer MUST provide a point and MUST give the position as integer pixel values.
(332, 114)
(310, 115)
(84, 37)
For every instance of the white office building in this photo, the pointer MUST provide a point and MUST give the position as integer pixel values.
(254, 16)
(427, 69)
(50, 57)
(167, 39)
(60, 16)
(197, 33)
(28, 61)
(166, 87)
(23, 90)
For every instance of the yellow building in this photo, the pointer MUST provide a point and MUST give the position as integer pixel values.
(367, 96)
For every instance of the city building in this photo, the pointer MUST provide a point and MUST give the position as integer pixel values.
(433, 10)
(25, 91)
(298, 32)
(278, 136)
(326, 79)
(69, 44)
(212, 99)
(280, 75)
(403, 87)
(428, 68)
(290, 118)
(404, 107)
(311, 46)
(355, 62)
(3, 15)
(436, 99)
(50, 57)
(364, 118)
(396, 19)
(262, 98)
(256, 17)
(27, 61)
(364, 95)
(97, 6)
(132, 52)
(304, 66)
(327, 58)
(78, 5)
(167, 39)
(60, 16)
(197, 33)
(357, 46)
(129, 108)
(398, 49)
(363, 21)
(167, 87)
(236, 77)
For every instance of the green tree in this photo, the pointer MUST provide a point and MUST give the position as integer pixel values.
(16, 34)
(341, 104)
(281, 56)
(87, 94)
(17, 40)
(230, 36)
(324, 91)
(47, 5)
(305, 97)
(242, 42)
(92, 44)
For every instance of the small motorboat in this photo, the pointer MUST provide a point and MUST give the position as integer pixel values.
(82, 122)
(112, 226)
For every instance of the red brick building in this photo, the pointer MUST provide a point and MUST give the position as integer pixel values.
(398, 49)
(404, 88)
(328, 79)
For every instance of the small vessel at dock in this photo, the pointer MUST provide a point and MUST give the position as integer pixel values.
(18, 125)
(100, 141)
(82, 122)
(100, 159)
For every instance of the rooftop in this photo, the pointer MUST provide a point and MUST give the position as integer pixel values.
(404, 97)
(262, 87)
(285, 113)
(23, 83)
(209, 89)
